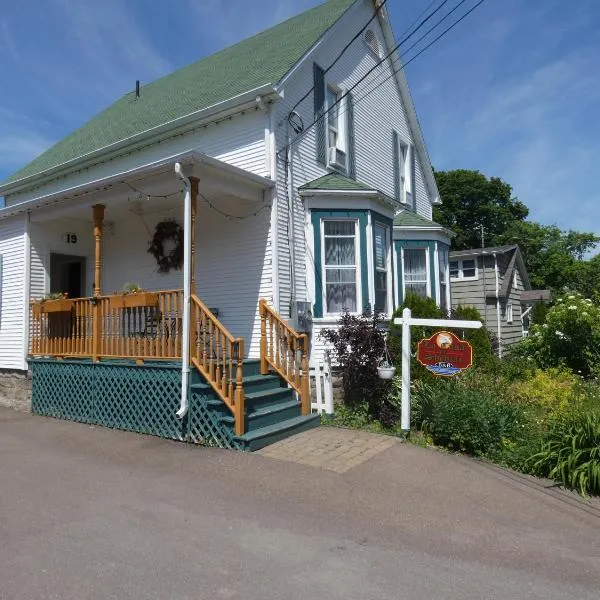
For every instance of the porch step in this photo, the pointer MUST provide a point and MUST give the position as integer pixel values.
(263, 416)
(259, 438)
(251, 366)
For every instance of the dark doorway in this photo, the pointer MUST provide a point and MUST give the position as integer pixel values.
(67, 274)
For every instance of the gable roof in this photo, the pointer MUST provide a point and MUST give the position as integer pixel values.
(336, 181)
(479, 251)
(252, 63)
(408, 218)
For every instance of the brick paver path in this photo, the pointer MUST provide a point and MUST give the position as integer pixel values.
(330, 448)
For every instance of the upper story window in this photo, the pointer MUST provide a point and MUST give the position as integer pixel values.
(509, 313)
(372, 42)
(340, 268)
(415, 271)
(336, 128)
(381, 251)
(515, 281)
(404, 171)
(463, 269)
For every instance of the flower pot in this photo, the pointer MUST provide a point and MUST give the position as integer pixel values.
(386, 372)
(133, 300)
(51, 306)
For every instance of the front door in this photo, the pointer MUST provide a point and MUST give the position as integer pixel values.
(67, 275)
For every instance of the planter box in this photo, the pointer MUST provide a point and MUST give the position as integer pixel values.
(133, 300)
(51, 306)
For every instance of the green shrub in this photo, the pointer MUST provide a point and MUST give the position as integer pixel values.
(539, 313)
(553, 390)
(480, 339)
(471, 419)
(570, 337)
(571, 453)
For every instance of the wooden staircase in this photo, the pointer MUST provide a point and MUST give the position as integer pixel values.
(256, 401)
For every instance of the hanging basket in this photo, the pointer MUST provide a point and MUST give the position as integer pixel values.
(386, 372)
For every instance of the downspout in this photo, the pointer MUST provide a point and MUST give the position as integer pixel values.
(187, 260)
(498, 305)
(27, 285)
(291, 226)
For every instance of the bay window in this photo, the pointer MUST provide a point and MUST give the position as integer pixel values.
(415, 271)
(340, 245)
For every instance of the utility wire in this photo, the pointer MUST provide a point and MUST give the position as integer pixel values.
(394, 71)
(343, 51)
(378, 64)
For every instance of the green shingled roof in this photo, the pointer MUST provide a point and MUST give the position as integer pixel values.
(407, 218)
(257, 61)
(335, 181)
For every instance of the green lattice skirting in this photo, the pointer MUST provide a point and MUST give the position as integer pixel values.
(123, 395)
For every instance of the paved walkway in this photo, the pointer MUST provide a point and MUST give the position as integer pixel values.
(330, 448)
(88, 513)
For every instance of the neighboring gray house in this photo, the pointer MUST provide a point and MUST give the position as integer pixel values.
(493, 281)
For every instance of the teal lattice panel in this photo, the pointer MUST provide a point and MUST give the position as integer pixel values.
(64, 390)
(144, 399)
(205, 427)
(138, 399)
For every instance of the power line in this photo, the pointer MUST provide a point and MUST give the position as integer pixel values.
(342, 52)
(394, 71)
(378, 64)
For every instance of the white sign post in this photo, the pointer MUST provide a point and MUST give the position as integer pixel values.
(407, 322)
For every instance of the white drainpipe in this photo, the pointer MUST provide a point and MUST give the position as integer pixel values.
(498, 305)
(187, 259)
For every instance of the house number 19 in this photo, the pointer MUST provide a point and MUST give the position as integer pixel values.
(70, 238)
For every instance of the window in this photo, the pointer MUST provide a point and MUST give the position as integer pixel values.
(509, 313)
(515, 281)
(415, 271)
(381, 251)
(404, 171)
(463, 269)
(340, 266)
(443, 266)
(336, 128)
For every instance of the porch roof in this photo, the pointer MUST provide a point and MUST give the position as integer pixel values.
(252, 64)
(408, 218)
(194, 164)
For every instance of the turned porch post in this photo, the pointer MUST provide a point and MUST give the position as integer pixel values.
(194, 201)
(96, 317)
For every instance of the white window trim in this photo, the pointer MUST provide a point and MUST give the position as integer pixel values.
(359, 307)
(342, 125)
(427, 270)
(461, 277)
(509, 313)
(375, 53)
(388, 266)
(515, 282)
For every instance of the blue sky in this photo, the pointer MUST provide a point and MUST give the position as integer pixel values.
(513, 91)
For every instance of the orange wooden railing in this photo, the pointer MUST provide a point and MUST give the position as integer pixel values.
(284, 351)
(219, 357)
(111, 326)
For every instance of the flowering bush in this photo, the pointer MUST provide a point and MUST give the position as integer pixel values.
(570, 336)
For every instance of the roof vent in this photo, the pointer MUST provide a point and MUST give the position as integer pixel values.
(373, 43)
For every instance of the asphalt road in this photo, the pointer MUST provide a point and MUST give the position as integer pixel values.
(90, 513)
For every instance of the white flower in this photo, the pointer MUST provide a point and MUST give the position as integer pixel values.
(572, 307)
(545, 325)
(560, 335)
(585, 314)
(571, 297)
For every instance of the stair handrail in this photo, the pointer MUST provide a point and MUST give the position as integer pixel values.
(285, 351)
(219, 357)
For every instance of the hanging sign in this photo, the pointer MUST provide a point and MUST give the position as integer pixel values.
(445, 354)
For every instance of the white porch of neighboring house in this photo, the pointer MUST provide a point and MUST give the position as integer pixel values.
(232, 254)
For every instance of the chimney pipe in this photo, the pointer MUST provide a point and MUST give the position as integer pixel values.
(137, 88)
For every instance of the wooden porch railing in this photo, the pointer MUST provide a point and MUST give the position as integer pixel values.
(111, 327)
(219, 357)
(284, 351)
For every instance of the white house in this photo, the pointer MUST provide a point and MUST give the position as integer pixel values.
(309, 187)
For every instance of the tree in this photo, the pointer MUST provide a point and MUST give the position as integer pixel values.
(470, 200)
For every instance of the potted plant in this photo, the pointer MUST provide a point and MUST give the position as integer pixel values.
(385, 369)
(133, 296)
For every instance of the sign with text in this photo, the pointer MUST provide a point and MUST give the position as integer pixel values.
(445, 354)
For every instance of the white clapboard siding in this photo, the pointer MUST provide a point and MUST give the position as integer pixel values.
(12, 293)
(375, 117)
(239, 141)
(233, 265)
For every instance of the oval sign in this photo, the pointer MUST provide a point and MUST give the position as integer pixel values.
(445, 354)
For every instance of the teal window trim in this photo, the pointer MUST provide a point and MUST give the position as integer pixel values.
(428, 245)
(361, 216)
(379, 219)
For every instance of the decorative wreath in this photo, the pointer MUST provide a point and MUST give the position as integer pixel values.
(167, 230)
